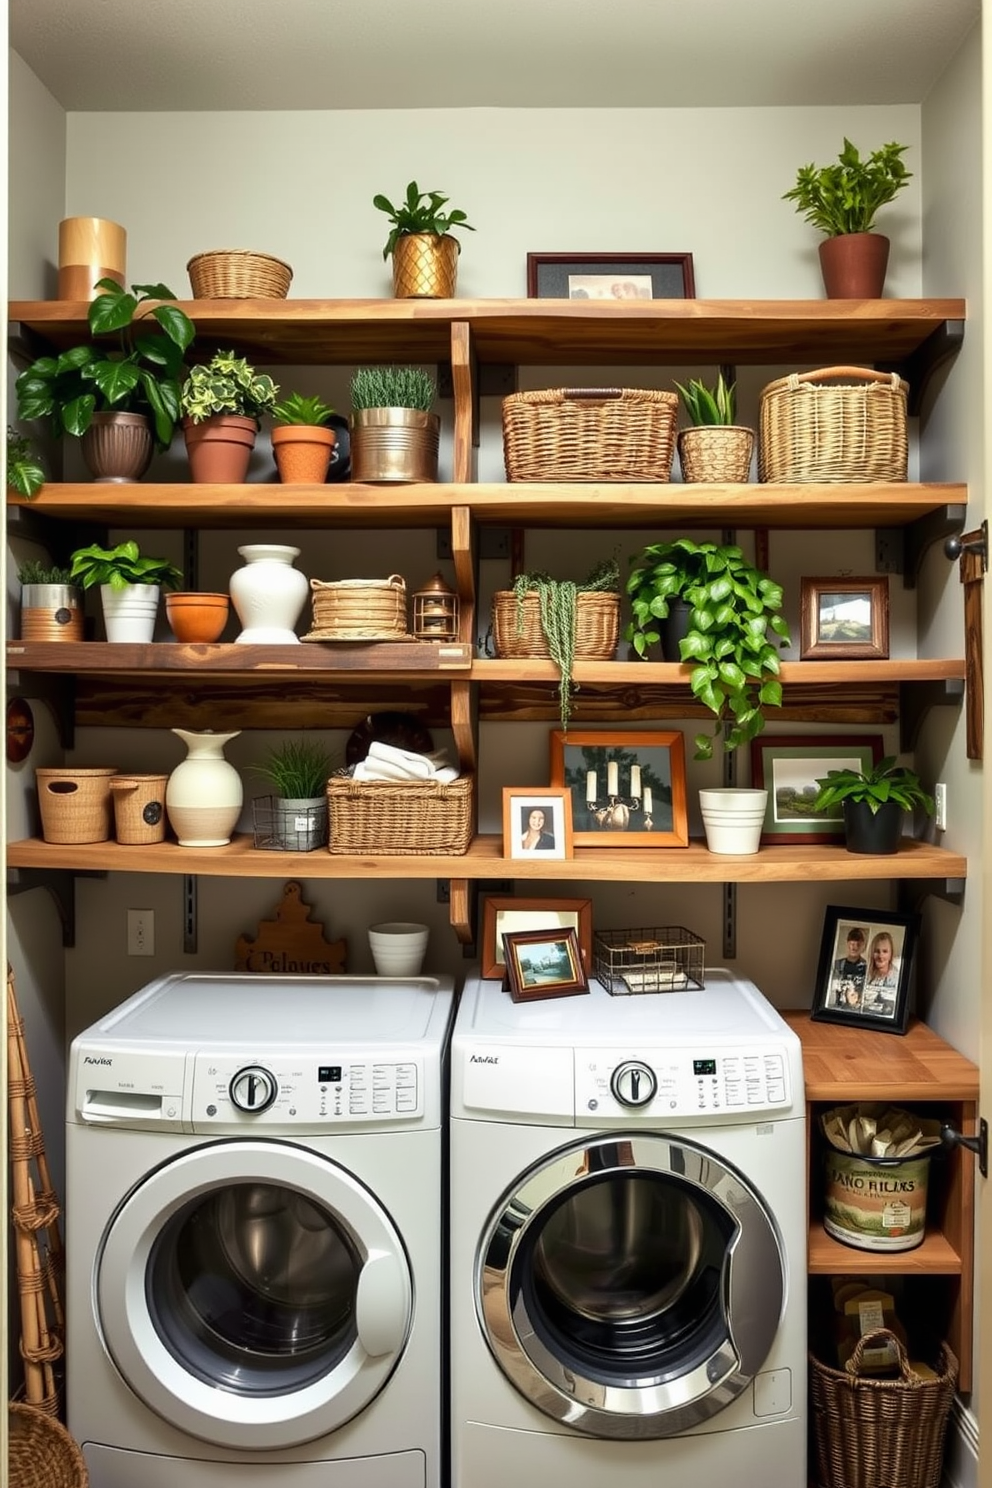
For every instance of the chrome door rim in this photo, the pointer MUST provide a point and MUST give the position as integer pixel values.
(644, 1408)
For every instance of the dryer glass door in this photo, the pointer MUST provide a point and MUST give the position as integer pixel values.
(631, 1287)
(254, 1294)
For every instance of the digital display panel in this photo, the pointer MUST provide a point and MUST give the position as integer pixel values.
(329, 1073)
(704, 1066)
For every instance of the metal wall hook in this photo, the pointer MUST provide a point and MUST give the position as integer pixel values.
(970, 542)
(951, 1137)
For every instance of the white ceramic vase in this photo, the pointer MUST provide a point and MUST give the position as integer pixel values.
(129, 614)
(733, 817)
(204, 795)
(268, 594)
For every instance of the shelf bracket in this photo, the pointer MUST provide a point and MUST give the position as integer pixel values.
(922, 364)
(912, 892)
(61, 884)
(189, 914)
(936, 527)
(915, 701)
(951, 1137)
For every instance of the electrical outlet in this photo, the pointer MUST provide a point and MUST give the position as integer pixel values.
(140, 932)
(940, 806)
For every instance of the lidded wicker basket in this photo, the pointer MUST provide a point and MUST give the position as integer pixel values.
(238, 274)
(517, 629)
(589, 434)
(837, 424)
(75, 805)
(399, 817)
(359, 610)
(41, 1453)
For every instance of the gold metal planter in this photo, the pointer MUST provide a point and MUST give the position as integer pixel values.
(394, 444)
(425, 267)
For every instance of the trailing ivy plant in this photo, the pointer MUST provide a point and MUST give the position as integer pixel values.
(884, 783)
(844, 197)
(419, 212)
(733, 606)
(558, 601)
(393, 387)
(704, 405)
(25, 473)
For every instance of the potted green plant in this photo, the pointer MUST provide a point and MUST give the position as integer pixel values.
(394, 434)
(425, 254)
(130, 585)
(715, 448)
(874, 803)
(25, 473)
(51, 604)
(729, 609)
(559, 618)
(223, 402)
(842, 200)
(122, 402)
(295, 819)
(302, 444)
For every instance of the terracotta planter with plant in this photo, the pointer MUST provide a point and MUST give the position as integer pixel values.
(425, 254)
(223, 402)
(302, 444)
(715, 448)
(130, 586)
(875, 803)
(841, 201)
(394, 434)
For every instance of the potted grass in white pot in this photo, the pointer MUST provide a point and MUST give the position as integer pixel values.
(294, 819)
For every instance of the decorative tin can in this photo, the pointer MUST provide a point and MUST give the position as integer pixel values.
(876, 1203)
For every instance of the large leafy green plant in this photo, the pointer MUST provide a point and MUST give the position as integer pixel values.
(121, 566)
(141, 374)
(844, 197)
(419, 212)
(885, 783)
(733, 606)
(227, 384)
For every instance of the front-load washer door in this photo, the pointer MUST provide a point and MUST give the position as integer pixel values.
(631, 1286)
(253, 1294)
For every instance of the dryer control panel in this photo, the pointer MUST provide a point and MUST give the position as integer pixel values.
(686, 1082)
(234, 1090)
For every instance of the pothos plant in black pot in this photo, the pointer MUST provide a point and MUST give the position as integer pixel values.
(874, 802)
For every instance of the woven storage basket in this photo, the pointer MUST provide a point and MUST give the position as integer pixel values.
(42, 1453)
(421, 817)
(597, 625)
(238, 274)
(839, 424)
(589, 434)
(876, 1433)
(75, 805)
(359, 610)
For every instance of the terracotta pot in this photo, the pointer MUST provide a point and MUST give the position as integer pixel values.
(425, 266)
(853, 266)
(303, 453)
(118, 446)
(220, 448)
(196, 618)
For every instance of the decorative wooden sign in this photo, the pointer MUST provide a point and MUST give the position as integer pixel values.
(291, 943)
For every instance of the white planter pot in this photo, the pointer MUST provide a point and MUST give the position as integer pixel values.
(733, 817)
(268, 594)
(129, 614)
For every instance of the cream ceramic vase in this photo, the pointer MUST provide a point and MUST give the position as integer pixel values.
(268, 594)
(204, 795)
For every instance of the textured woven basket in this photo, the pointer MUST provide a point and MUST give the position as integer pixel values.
(874, 1433)
(718, 453)
(359, 610)
(589, 434)
(420, 817)
(238, 274)
(519, 633)
(75, 805)
(42, 1453)
(839, 424)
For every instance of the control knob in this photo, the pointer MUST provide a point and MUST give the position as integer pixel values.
(253, 1089)
(634, 1083)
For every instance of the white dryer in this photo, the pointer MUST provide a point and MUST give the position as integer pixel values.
(628, 1240)
(254, 1233)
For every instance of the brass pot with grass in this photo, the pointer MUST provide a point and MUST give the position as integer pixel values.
(394, 434)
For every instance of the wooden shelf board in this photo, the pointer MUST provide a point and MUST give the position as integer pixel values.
(829, 1257)
(332, 659)
(918, 1066)
(694, 864)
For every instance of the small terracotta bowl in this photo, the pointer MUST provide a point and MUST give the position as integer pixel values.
(197, 617)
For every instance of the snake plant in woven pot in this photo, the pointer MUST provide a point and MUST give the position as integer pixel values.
(715, 448)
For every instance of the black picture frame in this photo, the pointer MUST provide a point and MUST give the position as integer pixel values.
(669, 275)
(878, 996)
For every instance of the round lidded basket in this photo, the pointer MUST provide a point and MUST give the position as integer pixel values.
(139, 808)
(238, 274)
(41, 1452)
(359, 610)
(75, 805)
(518, 631)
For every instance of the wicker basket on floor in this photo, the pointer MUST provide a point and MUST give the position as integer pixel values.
(518, 631)
(839, 424)
(589, 434)
(238, 274)
(874, 1433)
(421, 817)
(42, 1453)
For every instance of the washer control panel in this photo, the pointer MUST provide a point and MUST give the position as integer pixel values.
(665, 1083)
(228, 1089)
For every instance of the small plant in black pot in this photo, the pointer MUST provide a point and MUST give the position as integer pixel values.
(874, 803)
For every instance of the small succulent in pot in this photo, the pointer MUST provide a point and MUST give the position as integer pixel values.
(227, 384)
(297, 409)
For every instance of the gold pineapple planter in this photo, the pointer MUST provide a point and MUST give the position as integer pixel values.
(425, 266)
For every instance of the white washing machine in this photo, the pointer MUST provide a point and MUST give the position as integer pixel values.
(628, 1240)
(254, 1228)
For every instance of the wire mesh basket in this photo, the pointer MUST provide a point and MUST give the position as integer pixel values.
(281, 825)
(667, 958)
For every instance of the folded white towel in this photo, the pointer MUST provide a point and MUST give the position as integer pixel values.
(416, 766)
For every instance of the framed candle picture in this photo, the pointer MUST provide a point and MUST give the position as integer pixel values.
(628, 789)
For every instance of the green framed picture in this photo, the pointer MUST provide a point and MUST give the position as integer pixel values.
(788, 766)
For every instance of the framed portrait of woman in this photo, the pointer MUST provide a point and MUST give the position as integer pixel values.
(537, 823)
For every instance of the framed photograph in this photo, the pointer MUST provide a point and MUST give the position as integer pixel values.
(788, 767)
(543, 963)
(502, 914)
(862, 979)
(844, 619)
(627, 789)
(537, 823)
(610, 276)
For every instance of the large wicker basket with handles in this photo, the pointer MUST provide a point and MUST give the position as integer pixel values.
(517, 629)
(589, 434)
(41, 1454)
(838, 424)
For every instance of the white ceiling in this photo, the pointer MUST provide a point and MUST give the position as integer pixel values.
(108, 55)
